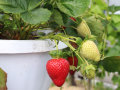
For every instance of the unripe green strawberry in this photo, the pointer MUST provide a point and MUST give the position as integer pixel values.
(83, 29)
(90, 51)
(90, 74)
(88, 71)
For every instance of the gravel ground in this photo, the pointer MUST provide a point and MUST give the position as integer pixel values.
(66, 86)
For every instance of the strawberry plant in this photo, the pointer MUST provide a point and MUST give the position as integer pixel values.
(84, 26)
(90, 32)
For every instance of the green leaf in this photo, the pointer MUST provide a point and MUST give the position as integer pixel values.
(117, 25)
(114, 51)
(101, 3)
(95, 26)
(98, 6)
(36, 16)
(58, 17)
(114, 8)
(111, 64)
(96, 9)
(73, 7)
(3, 80)
(115, 79)
(110, 29)
(18, 6)
(69, 29)
(116, 18)
(118, 88)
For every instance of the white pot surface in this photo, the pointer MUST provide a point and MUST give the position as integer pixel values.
(24, 61)
(27, 46)
(114, 2)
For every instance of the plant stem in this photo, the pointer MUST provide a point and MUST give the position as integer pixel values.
(60, 88)
(56, 47)
(89, 84)
(84, 83)
(66, 38)
(74, 50)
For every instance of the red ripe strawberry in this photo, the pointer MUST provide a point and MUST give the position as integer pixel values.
(58, 70)
(73, 61)
(72, 18)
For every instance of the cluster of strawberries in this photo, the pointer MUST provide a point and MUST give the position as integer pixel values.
(59, 68)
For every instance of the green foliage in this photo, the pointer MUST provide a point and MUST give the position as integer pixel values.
(32, 11)
(26, 9)
(114, 51)
(96, 26)
(114, 8)
(116, 18)
(100, 86)
(18, 6)
(111, 64)
(70, 28)
(98, 6)
(58, 17)
(100, 72)
(36, 16)
(73, 7)
(116, 80)
(29, 15)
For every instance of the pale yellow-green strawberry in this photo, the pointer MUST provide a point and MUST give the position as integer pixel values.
(83, 29)
(90, 51)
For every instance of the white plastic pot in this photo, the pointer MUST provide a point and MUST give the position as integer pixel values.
(24, 61)
(115, 3)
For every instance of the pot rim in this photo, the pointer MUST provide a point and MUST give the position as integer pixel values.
(28, 46)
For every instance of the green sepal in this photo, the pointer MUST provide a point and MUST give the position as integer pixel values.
(56, 53)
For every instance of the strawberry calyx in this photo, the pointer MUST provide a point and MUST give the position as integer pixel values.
(56, 54)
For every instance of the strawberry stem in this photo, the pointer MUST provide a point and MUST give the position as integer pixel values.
(74, 50)
(73, 58)
(64, 38)
(85, 61)
(56, 48)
